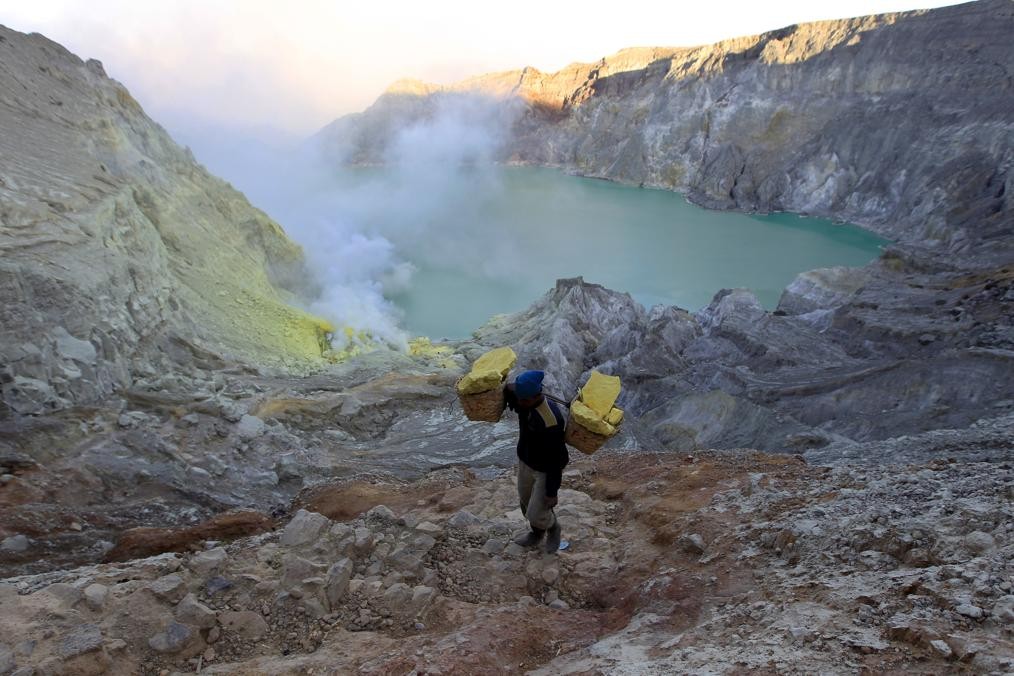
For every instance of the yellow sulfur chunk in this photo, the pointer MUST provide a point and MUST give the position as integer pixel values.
(479, 381)
(488, 371)
(590, 420)
(615, 416)
(600, 393)
(502, 359)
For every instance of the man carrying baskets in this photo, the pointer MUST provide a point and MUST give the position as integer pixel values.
(542, 455)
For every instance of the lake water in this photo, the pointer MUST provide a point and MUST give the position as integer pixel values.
(451, 247)
(525, 228)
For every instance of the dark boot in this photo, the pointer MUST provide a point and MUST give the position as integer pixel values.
(531, 538)
(553, 538)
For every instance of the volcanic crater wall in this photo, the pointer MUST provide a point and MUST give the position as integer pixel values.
(900, 122)
(120, 254)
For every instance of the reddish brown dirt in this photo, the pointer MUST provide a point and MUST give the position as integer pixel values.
(140, 542)
(346, 501)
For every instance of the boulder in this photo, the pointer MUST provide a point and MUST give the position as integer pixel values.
(304, 528)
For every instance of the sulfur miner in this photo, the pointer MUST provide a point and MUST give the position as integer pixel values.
(542, 455)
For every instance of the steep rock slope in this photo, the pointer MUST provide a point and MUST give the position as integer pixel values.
(900, 122)
(120, 254)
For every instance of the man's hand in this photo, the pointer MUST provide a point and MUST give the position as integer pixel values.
(550, 502)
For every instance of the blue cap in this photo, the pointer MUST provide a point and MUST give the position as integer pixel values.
(528, 384)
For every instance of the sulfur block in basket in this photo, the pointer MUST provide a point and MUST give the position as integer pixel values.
(589, 419)
(600, 393)
(488, 371)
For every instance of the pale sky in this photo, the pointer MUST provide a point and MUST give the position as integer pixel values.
(291, 66)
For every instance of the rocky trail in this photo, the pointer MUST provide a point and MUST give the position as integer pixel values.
(715, 562)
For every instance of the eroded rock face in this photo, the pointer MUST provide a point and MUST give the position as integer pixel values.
(120, 254)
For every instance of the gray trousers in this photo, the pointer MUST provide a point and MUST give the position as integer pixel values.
(532, 496)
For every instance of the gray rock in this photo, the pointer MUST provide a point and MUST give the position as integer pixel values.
(244, 623)
(173, 639)
(381, 513)
(14, 543)
(304, 528)
(192, 612)
(95, 595)
(978, 542)
(295, 569)
(338, 576)
(397, 596)
(1003, 609)
(82, 639)
(250, 427)
(7, 662)
(969, 610)
(464, 519)
(169, 588)
(692, 544)
(207, 562)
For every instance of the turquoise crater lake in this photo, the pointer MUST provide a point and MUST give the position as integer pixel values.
(491, 240)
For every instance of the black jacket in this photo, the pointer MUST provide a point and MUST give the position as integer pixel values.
(540, 443)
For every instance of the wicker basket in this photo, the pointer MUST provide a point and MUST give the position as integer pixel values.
(582, 439)
(485, 406)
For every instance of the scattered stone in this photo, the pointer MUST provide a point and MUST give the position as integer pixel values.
(191, 611)
(969, 610)
(169, 588)
(463, 519)
(493, 546)
(206, 562)
(14, 544)
(559, 604)
(95, 595)
(216, 585)
(338, 576)
(82, 639)
(304, 528)
(7, 662)
(692, 544)
(979, 543)
(249, 427)
(1003, 609)
(381, 513)
(550, 574)
(428, 527)
(68, 594)
(245, 623)
(173, 639)
(941, 648)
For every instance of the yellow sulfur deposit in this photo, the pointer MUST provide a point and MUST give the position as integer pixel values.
(593, 408)
(590, 420)
(488, 371)
(600, 393)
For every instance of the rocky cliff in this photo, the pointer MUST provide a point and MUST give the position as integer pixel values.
(121, 256)
(899, 122)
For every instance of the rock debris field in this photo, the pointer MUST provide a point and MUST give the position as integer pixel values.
(709, 563)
